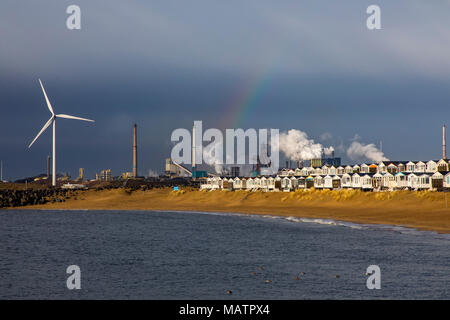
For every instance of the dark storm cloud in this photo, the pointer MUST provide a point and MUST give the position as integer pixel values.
(164, 64)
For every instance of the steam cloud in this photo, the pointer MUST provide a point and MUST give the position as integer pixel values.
(211, 159)
(368, 151)
(296, 145)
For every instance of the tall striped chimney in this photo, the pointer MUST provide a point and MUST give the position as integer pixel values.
(444, 152)
(135, 171)
(193, 148)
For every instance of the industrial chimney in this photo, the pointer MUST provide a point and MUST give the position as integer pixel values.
(135, 170)
(193, 149)
(444, 152)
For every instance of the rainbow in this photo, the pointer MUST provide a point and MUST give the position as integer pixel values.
(245, 100)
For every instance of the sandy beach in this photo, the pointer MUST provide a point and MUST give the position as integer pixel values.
(419, 210)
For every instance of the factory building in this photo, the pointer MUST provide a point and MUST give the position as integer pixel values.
(105, 175)
(175, 170)
(319, 162)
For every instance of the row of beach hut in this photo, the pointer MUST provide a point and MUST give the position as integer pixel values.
(364, 181)
(392, 167)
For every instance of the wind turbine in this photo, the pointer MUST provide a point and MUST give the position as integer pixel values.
(52, 120)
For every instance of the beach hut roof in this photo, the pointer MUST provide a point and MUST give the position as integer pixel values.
(377, 175)
(346, 174)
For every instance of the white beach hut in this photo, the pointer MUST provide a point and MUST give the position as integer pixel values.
(421, 167)
(250, 184)
(348, 169)
(366, 182)
(257, 183)
(431, 166)
(328, 182)
(392, 168)
(237, 183)
(294, 183)
(410, 166)
(364, 168)
(277, 182)
(301, 183)
(442, 165)
(346, 180)
(437, 180)
(413, 181)
(388, 181)
(305, 172)
(336, 182)
(446, 181)
(401, 180)
(377, 180)
(318, 182)
(425, 181)
(271, 184)
(356, 181)
(286, 184)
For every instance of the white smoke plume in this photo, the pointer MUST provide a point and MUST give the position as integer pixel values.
(296, 145)
(213, 160)
(328, 151)
(358, 151)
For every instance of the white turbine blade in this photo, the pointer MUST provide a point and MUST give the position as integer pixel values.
(66, 116)
(42, 130)
(49, 105)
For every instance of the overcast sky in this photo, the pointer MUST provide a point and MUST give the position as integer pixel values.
(307, 65)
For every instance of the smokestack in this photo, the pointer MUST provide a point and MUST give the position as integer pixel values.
(444, 152)
(48, 167)
(332, 154)
(193, 148)
(135, 170)
(298, 164)
(287, 164)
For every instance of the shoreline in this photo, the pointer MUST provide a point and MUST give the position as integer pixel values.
(293, 219)
(423, 211)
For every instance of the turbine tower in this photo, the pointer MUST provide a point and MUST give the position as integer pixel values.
(52, 120)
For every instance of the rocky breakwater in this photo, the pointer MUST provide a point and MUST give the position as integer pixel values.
(19, 198)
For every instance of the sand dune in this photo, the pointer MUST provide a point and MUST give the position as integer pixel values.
(421, 210)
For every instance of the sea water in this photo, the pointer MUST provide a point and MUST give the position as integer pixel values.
(193, 255)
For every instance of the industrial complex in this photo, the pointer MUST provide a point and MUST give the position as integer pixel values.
(328, 173)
